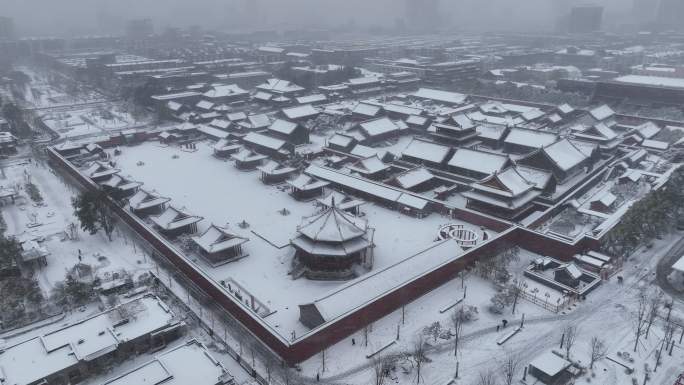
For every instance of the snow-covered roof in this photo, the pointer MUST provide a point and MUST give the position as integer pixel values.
(315, 98)
(259, 121)
(491, 131)
(602, 113)
(572, 269)
(333, 225)
(510, 182)
(274, 168)
(283, 127)
(118, 182)
(212, 131)
(340, 140)
(479, 161)
(339, 200)
(204, 105)
(589, 260)
(370, 287)
(223, 91)
(173, 218)
(647, 130)
(461, 120)
(370, 165)
(247, 155)
(236, 116)
(280, 86)
(655, 144)
(254, 138)
(565, 109)
(378, 127)
(565, 154)
(216, 239)
(99, 169)
(226, 145)
(221, 124)
(440, 96)
(532, 114)
(413, 177)
(376, 189)
(264, 96)
(401, 109)
(658, 81)
(417, 120)
(37, 358)
(679, 265)
(606, 198)
(550, 364)
(299, 112)
(365, 151)
(505, 120)
(306, 182)
(363, 81)
(539, 178)
(174, 106)
(530, 138)
(604, 131)
(428, 151)
(366, 109)
(143, 199)
(170, 368)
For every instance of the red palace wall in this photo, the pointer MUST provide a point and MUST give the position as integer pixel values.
(337, 330)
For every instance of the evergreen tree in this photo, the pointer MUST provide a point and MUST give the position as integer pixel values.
(93, 212)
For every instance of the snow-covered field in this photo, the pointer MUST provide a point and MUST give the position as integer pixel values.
(607, 313)
(90, 121)
(54, 219)
(220, 193)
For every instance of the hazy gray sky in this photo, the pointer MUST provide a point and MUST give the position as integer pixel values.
(63, 17)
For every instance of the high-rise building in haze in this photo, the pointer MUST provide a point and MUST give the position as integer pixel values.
(585, 18)
(643, 11)
(671, 14)
(6, 28)
(139, 28)
(422, 15)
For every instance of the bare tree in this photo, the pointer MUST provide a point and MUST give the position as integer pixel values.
(509, 368)
(640, 318)
(516, 291)
(457, 323)
(418, 355)
(381, 367)
(487, 378)
(569, 338)
(655, 299)
(598, 351)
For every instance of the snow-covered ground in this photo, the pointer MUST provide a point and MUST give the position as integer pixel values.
(220, 193)
(54, 219)
(607, 313)
(121, 254)
(43, 92)
(78, 122)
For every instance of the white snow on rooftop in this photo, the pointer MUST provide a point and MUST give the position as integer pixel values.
(188, 364)
(440, 96)
(371, 286)
(379, 127)
(480, 161)
(530, 138)
(299, 112)
(30, 361)
(550, 364)
(659, 81)
(429, 151)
